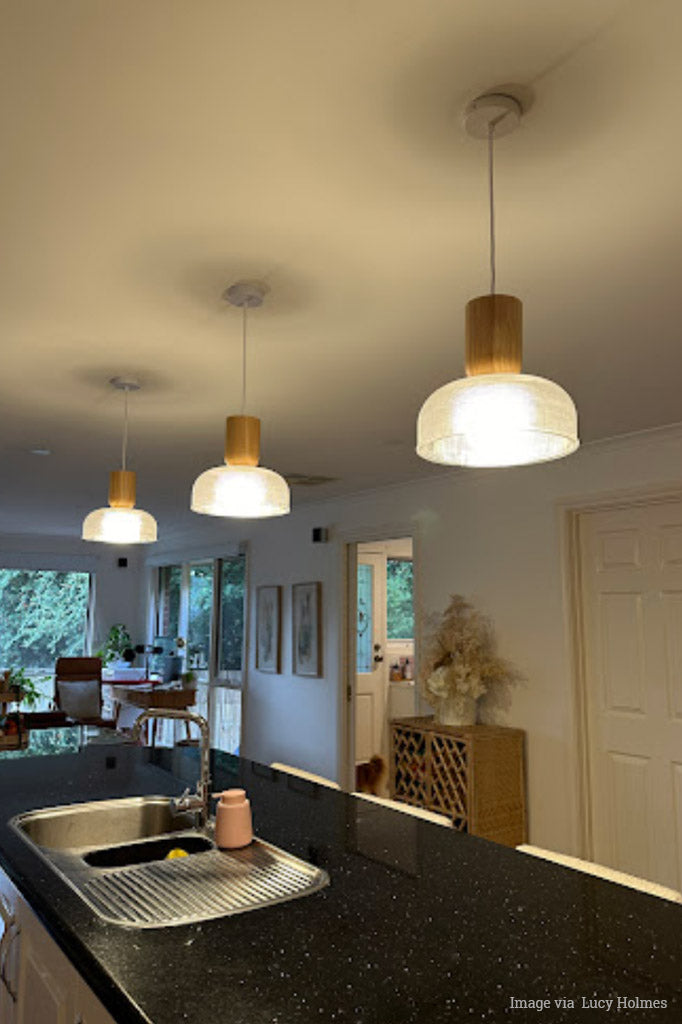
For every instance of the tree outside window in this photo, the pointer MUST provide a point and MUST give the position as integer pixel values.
(43, 616)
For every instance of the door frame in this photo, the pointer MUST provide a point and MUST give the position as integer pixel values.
(569, 512)
(346, 697)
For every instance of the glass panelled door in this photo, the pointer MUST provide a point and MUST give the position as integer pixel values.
(370, 673)
(202, 604)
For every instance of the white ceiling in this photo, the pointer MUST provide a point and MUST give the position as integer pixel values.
(154, 152)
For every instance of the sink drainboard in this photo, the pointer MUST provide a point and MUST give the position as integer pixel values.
(202, 886)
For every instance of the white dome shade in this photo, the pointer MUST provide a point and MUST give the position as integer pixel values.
(120, 526)
(241, 492)
(497, 419)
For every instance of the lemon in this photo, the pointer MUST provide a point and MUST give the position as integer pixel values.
(176, 852)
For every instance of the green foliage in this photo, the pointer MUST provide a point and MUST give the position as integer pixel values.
(118, 640)
(399, 599)
(27, 693)
(232, 614)
(42, 616)
(200, 612)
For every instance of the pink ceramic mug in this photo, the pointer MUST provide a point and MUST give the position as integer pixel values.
(233, 827)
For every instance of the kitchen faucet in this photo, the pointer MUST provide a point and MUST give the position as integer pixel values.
(198, 801)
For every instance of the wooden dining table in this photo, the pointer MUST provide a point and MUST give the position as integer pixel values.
(146, 694)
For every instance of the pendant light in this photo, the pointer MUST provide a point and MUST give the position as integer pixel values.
(121, 522)
(496, 415)
(241, 489)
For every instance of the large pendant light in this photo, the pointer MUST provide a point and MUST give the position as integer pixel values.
(241, 489)
(496, 415)
(121, 522)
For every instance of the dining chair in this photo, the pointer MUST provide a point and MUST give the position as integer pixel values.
(300, 773)
(601, 871)
(416, 812)
(78, 690)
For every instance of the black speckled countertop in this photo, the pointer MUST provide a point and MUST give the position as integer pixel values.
(419, 923)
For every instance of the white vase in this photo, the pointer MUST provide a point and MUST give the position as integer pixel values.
(457, 709)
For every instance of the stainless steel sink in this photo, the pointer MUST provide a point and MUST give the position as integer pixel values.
(113, 853)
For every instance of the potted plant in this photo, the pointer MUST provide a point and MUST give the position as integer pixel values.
(22, 687)
(459, 663)
(114, 648)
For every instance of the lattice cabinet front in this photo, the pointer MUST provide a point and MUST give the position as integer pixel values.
(449, 778)
(474, 774)
(410, 761)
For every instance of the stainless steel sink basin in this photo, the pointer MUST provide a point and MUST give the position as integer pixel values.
(113, 853)
(105, 823)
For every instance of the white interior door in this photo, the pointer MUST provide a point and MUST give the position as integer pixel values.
(631, 568)
(371, 670)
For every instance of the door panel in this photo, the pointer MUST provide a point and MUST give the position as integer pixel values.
(48, 982)
(622, 651)
(630, 785)
(672, 626)
(631, 588)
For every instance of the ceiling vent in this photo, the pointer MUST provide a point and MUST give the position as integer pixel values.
(308, 480)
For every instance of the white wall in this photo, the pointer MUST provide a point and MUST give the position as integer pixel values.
(119, 595)
(494, 536)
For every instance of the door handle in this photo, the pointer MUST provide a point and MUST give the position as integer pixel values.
(378, 658)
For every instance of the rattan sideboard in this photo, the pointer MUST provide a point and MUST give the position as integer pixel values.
(474, 774)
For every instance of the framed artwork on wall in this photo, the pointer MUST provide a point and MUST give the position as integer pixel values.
(268, 628)
(306, 618)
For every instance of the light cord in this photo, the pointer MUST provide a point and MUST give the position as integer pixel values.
(491, 200)
(124, 452)
(244, 312)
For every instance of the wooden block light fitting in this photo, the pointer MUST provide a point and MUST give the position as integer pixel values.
(242, 441)
(494, 333)
(122, 488)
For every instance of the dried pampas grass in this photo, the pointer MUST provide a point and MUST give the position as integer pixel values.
(459, 656)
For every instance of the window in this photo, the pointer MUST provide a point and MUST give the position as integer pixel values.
(43, 616)
(399, 599)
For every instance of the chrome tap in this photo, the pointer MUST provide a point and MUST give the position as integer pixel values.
(198, 801)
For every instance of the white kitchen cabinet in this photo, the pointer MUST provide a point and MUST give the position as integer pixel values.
(47, 980)
(38, 984)
(9, 950)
